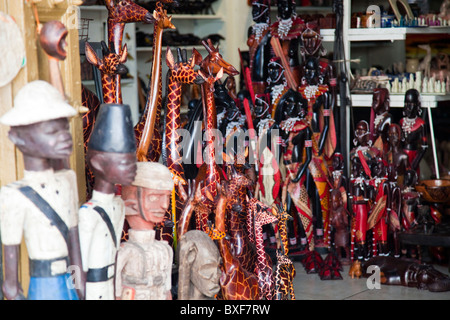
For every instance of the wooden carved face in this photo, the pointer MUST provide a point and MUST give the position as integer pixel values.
(113, 167)
(47, 139)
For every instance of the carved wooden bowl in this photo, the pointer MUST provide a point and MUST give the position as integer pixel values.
(437, 190)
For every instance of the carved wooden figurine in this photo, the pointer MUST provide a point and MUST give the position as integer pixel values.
(147, 129)
(112, 156)
(259, 44)
(380, 118)
(42, 206)
(181, 72)
(236, 283)
(144, 264)
(414, 129)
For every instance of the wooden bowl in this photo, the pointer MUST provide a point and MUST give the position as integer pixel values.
(437, 190)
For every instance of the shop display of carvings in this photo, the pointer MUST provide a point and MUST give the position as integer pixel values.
(181, 209)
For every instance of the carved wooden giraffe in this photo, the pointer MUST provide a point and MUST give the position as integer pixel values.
(110, 65)
(236, 283)
(244, 250)
(284, 270)
(284, 278)
(147, 128)
(263, 215)
(121, 12)
(181, 72)
(212, 69)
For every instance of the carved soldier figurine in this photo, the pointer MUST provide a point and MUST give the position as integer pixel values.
(42, 206)
(111, 154)
(144, 264)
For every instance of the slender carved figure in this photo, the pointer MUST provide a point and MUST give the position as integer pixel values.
(120, 13)
(147, 129)
(181, 72)
(264, 271)
(212, 69)
(236, 283)
(284, 269)
(244, 250)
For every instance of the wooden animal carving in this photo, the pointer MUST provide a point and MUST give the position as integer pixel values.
(181, 72)
(212, 69)
(284, 270)
(121, 12)
(236, 283)
(147, 129)
(264, 271)
(110, 65)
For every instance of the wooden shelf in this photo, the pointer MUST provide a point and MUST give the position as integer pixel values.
(391, 34)
(397, 100)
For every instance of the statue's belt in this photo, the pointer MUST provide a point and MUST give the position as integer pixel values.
(100, 274)
(47, 268)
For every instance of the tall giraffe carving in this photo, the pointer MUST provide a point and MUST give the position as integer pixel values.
(236, 283)
(180, 72)
(284, 270)
(244, 249)
(263, 215)
(212, 69)
(110, 66)
(120, 13)
(147, 129)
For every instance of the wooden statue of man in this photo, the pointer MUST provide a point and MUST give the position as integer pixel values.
(111, 154)
(43, 206)
(144, 264)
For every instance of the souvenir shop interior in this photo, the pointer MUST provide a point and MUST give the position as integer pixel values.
(225, 150)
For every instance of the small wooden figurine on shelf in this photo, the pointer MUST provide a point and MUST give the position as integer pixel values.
(144, 264)
(414, 129)
(42, 206)
(112, 156)
(380, 118)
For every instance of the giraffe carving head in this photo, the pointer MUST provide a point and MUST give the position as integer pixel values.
(125, 11)
(214, 61)
(162, 19)
(183, 70)
(111, 63)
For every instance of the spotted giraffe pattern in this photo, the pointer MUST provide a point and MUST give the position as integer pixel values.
(109, 67)
(212, 69)
(284, 278)
(181, 72)
(284, 270)
(264, 271)
(120, 13)
(244, 250)
(236, 283)
(147, 129)
(90, 101)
